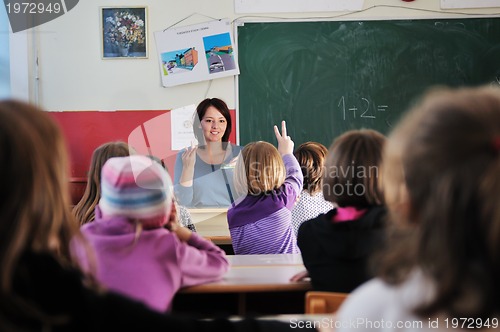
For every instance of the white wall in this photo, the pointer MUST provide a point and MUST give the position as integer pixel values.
(14, 62)
(73, 76)
(4, 56)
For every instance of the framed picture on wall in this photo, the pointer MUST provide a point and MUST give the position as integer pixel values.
(124, 32)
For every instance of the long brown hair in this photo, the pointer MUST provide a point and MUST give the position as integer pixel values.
(351, 169)
(35, 211)
(84, 210)
(441, 175)
(34, 195)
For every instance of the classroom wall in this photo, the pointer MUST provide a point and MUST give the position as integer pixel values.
(144, 130)
(4, 57)
(73, 77)
(67, 73)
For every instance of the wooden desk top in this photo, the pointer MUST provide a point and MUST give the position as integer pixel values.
(257, 273)
(211, 223)
(220, 239)
(204, 210)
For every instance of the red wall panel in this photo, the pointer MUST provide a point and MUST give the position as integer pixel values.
(147, 131)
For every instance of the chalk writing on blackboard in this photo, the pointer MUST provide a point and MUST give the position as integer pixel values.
(365, 109)
(329, 77)
(442, 25)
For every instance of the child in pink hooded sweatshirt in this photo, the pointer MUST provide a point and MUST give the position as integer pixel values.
(141, 249)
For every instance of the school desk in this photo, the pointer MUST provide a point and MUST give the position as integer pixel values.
(254, 284)
(265, 260)
(211, 223)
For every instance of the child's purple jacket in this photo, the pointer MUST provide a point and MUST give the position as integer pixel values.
(156, 267)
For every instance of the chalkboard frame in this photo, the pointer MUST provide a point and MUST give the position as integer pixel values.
(262, 129)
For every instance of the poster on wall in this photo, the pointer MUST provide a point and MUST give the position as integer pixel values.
(196, 53)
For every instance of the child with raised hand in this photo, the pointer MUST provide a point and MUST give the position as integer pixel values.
(136, 255)
(269, 180)
(42, 287)
(441, 177)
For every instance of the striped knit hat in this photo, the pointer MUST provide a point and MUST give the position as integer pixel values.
(136, 187)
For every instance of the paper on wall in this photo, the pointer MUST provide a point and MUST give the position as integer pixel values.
(196, 53)
(181, 120)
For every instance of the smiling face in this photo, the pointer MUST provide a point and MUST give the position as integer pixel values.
(213, 125)
(218, 108)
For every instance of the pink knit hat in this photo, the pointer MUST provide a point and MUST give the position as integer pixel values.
(138, 188)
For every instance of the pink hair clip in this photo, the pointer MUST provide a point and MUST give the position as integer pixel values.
(496, 143)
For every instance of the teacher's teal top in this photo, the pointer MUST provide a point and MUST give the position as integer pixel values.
(212, 185)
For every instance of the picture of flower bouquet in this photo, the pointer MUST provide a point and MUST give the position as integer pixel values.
(124, 32)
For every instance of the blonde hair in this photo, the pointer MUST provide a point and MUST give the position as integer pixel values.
(259, 169)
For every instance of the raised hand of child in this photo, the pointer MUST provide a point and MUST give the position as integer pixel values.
(285, 143)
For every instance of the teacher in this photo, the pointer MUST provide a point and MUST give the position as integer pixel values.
(203, 174)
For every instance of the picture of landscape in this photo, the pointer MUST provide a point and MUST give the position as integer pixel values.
(219, 52)
(179, 61)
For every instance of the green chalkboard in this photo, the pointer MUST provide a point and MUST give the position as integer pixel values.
(325, 78)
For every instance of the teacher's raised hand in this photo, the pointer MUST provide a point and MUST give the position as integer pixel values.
(285, 143)
(188, 160)
(189, 156)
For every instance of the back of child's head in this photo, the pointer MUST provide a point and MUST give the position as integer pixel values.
(352, 169)
(444, 150)
(441, 173)
(102, 154)
(259, 169)
(446, 155)
(34, 198)
(138, 188)
(84, 210)
(311, 157)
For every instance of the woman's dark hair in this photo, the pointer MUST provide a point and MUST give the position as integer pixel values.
(201, 109)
